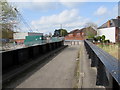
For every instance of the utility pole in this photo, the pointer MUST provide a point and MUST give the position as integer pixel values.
(60, 30)
(60, 26)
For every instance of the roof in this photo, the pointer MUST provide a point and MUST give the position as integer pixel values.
(113, 23)
(84, 30)
(75, 31)
(90, 29)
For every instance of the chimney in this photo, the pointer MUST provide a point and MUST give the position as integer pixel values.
(108, 23)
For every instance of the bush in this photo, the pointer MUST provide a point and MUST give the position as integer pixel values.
(107, 41)
(98, 38)
(101, 39)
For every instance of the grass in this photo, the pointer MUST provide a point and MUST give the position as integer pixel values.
(77, 72)
(111, 49)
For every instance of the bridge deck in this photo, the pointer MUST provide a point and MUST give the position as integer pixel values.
(60, 71)
(57, 73)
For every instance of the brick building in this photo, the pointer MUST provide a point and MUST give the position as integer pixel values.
(80, 34)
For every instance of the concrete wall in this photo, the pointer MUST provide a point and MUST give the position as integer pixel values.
(108, 32)
(72, 42)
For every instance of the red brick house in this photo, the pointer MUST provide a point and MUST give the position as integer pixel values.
(80, 34)
(75, 35)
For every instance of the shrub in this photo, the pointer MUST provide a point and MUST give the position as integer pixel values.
(107, 41)
(101, 39)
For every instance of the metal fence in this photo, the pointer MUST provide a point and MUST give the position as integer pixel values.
(108, 69)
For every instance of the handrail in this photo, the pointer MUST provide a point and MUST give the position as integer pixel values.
(106, 65)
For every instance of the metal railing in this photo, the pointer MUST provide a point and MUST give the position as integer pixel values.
(108, 69)
(40, 42)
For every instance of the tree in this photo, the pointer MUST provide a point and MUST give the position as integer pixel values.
(60, 32)
(63, 32)
(89, 32)
(50, 34)
(91, 24)
(8, 17)
(90, 35)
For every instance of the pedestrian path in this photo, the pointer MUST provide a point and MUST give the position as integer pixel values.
(58, 73)
(88, 74)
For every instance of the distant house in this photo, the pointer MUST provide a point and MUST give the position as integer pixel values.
(111, 30)
(80, 34)
(88, 30)
(75, 35)
(19, 37)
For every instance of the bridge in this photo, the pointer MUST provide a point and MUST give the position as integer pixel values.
(71, 64)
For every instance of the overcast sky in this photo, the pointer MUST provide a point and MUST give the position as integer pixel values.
(47, 16)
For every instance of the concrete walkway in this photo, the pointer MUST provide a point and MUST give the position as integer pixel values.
(58, 73)
(88, 74)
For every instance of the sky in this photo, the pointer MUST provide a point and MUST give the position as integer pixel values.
(45, 17)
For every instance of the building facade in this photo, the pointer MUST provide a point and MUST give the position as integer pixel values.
(111, 30)
(19, 37)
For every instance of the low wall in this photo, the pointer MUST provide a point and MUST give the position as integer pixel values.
(72, 42)
(10, 59)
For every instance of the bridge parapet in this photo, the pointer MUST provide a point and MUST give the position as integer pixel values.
(108, 69)
(13, 58)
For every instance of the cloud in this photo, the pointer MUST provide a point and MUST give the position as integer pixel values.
(69, 4)
(35, 6)
(45, 6)
(101, 11)
(109, 13)
(63, 17)
(70, 19)
(115, 11)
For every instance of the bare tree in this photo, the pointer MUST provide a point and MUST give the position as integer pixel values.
(8, 16)
(91, 24)
(50, 34)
